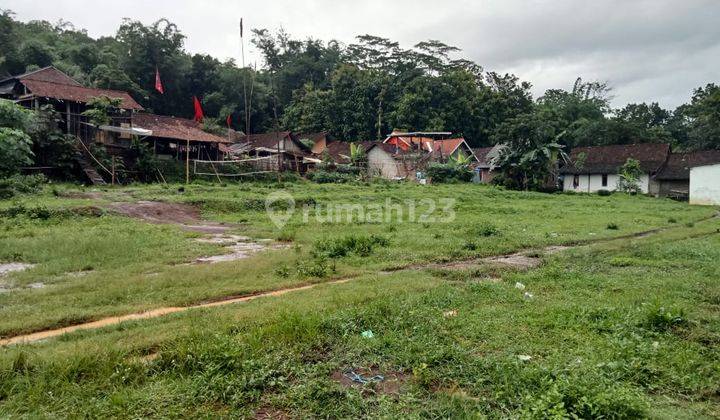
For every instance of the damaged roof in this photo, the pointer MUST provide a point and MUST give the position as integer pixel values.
(609, 159)
(678, 165)
(175, 128)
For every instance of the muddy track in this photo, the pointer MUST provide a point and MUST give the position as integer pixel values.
(517, 260)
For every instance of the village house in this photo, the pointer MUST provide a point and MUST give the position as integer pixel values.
(380, 159)
(439, 149)
(319, 141)
(675, 176)
(705, 184)
(483, 167)
(168, 136)
(172, 137)
(598, 167)
(50, 86)
(281, 151)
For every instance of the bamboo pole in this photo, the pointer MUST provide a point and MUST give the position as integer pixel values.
(187, 163)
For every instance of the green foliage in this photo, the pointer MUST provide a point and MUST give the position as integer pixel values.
(661, 319)
(604, 193)
(357, 154)
(359, 91)
(448, 173)
(330, 177)
(21, 184)
(100, 110)
(630, 173)
(529, 154)
(15, 151)
(351, 244)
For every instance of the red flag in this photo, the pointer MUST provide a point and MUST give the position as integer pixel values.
(229, 120)
(198, 109)
(158, 83)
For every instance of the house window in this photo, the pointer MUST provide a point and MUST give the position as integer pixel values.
(604, 180)
(576, 181)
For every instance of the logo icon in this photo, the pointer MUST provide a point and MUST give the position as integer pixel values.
(280, 206)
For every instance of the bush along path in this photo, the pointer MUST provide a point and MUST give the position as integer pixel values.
(526, 259)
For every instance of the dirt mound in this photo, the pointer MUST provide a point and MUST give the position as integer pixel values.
(188, 217)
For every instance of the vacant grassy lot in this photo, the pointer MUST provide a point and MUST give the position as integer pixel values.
(625, 328)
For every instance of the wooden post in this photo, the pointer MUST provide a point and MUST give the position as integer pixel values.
(112, 178)
(187, 163)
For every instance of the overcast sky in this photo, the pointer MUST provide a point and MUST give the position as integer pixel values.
(648, 50)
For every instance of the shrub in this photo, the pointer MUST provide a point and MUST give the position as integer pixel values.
(672, 220)
(604, 193)
(448, 173)
(485, 229)
(325, 177)
(314, 267)
(285, 236)
(660, 319)
(37, 212)
(613, 226)
(470, 246)
(15, 151)
(359, 245)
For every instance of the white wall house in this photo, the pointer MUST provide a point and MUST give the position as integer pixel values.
(596, 168)
(705, 185)
(591, 183)
(382, 164)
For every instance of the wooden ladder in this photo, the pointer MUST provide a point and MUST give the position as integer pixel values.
(89, 170)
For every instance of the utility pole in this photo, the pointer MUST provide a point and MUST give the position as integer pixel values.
(242, 53)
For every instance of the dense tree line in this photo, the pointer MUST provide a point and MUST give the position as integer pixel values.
(359, 91)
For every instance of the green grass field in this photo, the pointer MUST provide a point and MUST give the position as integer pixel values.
(614, 328)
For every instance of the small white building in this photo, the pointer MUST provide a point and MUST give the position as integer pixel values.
(705, 185)
(598, 167)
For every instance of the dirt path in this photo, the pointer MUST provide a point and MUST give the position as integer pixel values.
(524, 260)
(155, 313)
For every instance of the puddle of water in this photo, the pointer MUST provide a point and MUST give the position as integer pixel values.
(13, 267)
(241, 247)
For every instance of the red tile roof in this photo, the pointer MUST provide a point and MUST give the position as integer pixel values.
(481, 154)
(49, 74)
(678, 164)
(77, 93)
(609, 159)
(175, 128)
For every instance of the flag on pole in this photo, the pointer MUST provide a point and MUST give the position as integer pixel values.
(198, 110)
(228, 120)
(241, 29)
(158, 82)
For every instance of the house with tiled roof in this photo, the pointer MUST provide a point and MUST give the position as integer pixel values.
(173, 136)
(50, 86)
(597, 168)
(675, 176)
(483, 167)
(169, 136)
